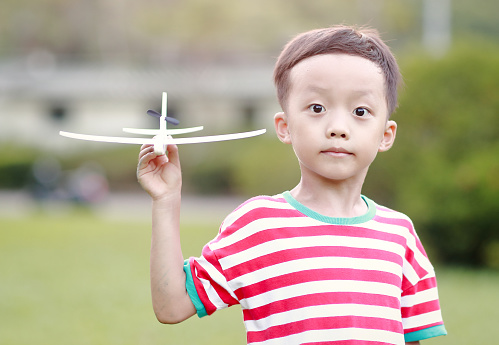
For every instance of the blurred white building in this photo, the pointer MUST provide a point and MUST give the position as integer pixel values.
(39, 99)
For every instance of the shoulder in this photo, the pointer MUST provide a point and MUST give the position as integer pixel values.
(395, 222)
(399, 223)
(389, 215)
(249, 218)
(262, 206)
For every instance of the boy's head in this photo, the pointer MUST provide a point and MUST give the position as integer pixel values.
(338, 39)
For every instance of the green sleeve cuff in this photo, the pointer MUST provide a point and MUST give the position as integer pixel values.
(426, 333)
(191, 290)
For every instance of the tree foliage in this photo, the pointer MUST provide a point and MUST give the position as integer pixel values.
(152, 31)
(444, 168)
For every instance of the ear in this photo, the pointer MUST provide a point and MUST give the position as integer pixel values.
(388, 136)
(281, 127)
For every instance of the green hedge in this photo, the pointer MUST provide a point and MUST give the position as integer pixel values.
(15, 165)
(444, 168)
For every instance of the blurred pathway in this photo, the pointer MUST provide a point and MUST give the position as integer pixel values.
(128, 206)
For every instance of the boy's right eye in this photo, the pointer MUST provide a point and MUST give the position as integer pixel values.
(317, 108)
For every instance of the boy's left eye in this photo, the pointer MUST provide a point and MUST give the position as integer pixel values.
(361, 111)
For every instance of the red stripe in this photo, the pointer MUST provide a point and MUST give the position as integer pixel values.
(419, 309)
(415, 329)
(409, 256)
(325, 323)
(406, 223)
(211, 257)
(403, 222)
(287, 255)
(326, 298)
(347, 342)
(202, 273)
(272, 234)
(203, 296)
(196, 271)
(422, 285)
(262, 197)
(257, 214)
(324, 274)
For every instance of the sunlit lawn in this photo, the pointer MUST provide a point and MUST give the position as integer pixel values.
(81, 279)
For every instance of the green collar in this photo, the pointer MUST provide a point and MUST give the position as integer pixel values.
(371, 212)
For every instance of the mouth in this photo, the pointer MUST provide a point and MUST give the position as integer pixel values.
(337, 152)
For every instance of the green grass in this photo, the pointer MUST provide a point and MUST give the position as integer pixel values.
(81, 279)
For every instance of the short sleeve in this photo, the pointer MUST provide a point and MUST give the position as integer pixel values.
(420, 306)
(191, 290)
(206, 284)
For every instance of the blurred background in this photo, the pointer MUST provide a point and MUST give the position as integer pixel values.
(74, 224)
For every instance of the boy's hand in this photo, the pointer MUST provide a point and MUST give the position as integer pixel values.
(160, 176)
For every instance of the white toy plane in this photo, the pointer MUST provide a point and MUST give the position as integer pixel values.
(162, 136)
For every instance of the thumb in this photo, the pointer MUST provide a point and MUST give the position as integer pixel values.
(173, 156)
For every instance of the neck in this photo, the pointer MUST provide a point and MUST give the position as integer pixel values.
(331, 198)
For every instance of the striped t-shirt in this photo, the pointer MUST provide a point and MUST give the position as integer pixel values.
(304, 278)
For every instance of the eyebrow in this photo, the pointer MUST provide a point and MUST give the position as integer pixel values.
(369, 94)
(357, 93)
(315, 88)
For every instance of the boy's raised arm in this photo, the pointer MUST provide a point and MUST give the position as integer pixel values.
(161, 177)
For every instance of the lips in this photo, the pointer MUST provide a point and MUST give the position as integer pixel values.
(337, 152)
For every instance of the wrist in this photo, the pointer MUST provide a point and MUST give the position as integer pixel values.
(167, 201)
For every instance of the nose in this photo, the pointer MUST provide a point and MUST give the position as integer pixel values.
(337, 127)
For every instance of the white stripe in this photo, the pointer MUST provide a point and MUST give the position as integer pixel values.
(410, 270)
(275, 223)
(420, 258)
(305, 222)
(311, 242)
(419, 298)
(392, 229)
(323, 311)
(316, 287)
(301, 265)
(325, 335)
(422, 320)
(392, 214)
(255, 204)
(212, 294)
(262, 224)
(216, 276)
(410, 273)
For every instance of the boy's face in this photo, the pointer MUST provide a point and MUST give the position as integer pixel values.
(336, 116)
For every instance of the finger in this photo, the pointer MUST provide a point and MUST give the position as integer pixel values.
(145, 149)
(173, 155)
(143, 161)
(145, 145)
(149, 157)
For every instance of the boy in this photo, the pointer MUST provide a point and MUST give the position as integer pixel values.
(320, 263)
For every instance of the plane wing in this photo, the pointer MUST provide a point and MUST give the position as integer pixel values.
(214, 138)
(167, 139)
(167, 131)
(105, 139)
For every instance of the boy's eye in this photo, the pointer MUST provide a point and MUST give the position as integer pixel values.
(361, 111)
(317, 108)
